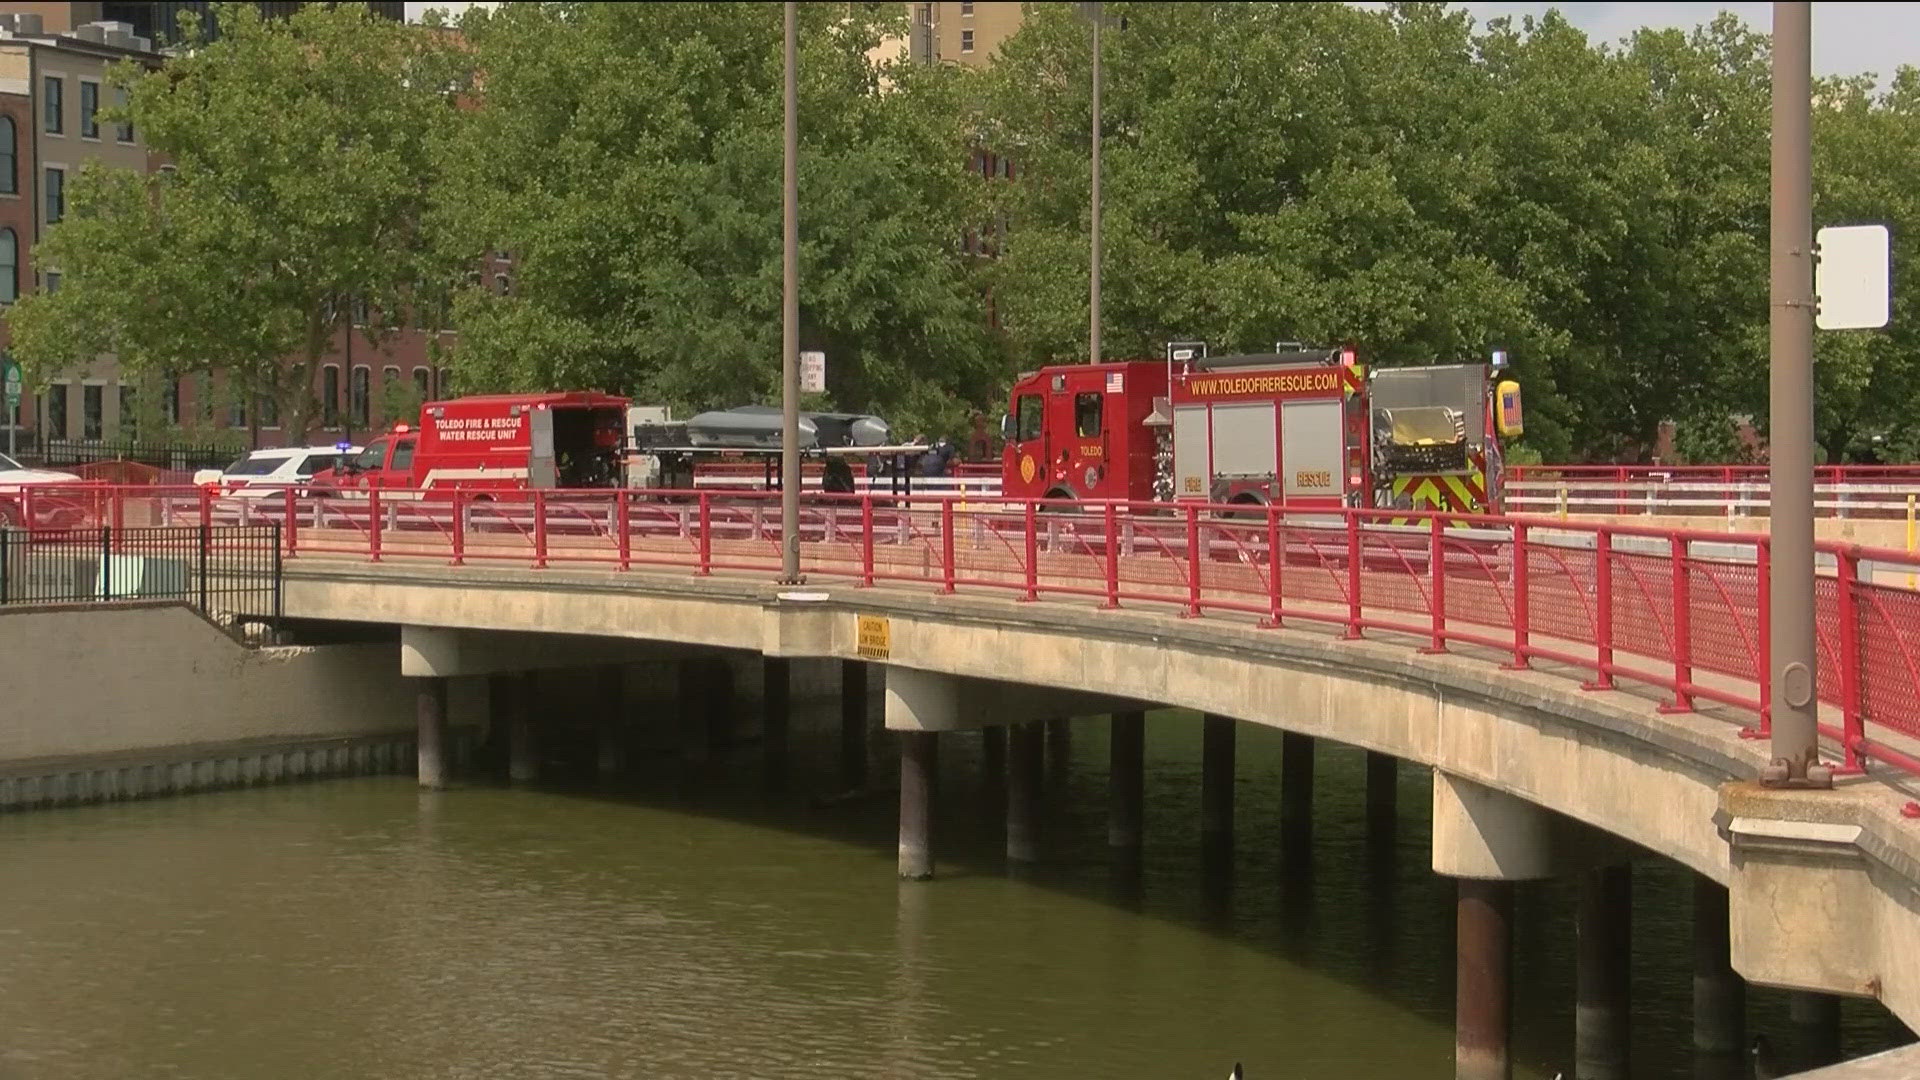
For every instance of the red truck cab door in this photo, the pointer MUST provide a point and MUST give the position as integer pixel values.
(1025, 468)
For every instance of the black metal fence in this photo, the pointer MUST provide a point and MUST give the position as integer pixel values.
(53, 453)
(230, 573)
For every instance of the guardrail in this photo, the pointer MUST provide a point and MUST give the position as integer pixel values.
(230, 573)
(1682, 610)
(1654, 495)
(1725, 474)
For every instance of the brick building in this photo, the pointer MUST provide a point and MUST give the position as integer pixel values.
(52, 70)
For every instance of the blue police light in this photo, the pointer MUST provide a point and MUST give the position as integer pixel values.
(343, 446)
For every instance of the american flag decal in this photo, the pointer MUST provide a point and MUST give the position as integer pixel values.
(1116, 382)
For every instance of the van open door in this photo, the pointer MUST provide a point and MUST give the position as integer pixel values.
(541, 471)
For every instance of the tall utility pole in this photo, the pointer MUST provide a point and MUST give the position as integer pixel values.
(1795, 701)
(1093, 299)
(790, 329)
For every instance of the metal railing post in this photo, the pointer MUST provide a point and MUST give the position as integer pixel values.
(292, 516)
(539, 528)
(457, 532)
(1033, 553)
(623, 521)
(1195, 557)
(1353, 575)
(948, 569)
(373, 524)
(1763, 602)
(1682, 627)
(6, 561)
(206, 545)
(1276, 559)
(1602, 612)
(106, 562)
(1111, 527)
(705, 501)
(1522, 609)
(279, 581)
(866, 541)
(1847, 570)
(1437, 590)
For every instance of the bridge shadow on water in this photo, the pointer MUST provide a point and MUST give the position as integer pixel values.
(1347, 915)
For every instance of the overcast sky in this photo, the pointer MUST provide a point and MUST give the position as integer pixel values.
(1848, 38)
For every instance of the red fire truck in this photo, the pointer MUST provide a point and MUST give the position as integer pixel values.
(1308, 427)
(494, 442)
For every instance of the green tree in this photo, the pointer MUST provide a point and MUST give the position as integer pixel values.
(628, 156)
(297, 175)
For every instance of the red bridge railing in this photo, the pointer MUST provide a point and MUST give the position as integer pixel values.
(1680, 610)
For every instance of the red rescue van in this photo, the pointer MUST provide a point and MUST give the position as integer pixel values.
(494, 442)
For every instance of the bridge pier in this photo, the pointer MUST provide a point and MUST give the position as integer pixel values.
(1816, 1027)
(776, 699)
(431, 743)
(1719, 993)
(853, 724)
(1383, 795)
(1216, 787)
(918, 765)
(1604, 932)
(610, 726)
(993, 776)
(1126, 785)
(1483, 978)
(1059, 749)
(523, 756)
(1296, 794)
(1023, 791)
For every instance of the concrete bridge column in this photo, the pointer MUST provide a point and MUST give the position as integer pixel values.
(1059, 749)
(1816, 1027)
(918, 765)
(1483, 980)
(1719, 994)
(1296, 793)
(1023, 791)
(523, 752)
(1383, 795)
(853, 724)
(1126, 784)
(611, 729)
(776, 698)
(993, 776)
(1604, 931)
(1216, 785)
(431, 744)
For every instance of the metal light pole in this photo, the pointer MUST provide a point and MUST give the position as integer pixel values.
(1790, 409)
(790, 329)
(1093, 299)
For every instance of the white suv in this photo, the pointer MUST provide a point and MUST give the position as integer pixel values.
(264, 470)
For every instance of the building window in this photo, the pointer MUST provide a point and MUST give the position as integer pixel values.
(503, 255)
(362, 397)
(330, 396)
(443, 384)
(170, 401)
(125, 134)
(52, 105)
(53, 281)
(9, 266)
(966, 9)
(56, 194)
(502, 285)
(389, 387)
(129, 413)
(9, 154)
(422, 383)
(268, 410)
(57, 411)
(237, 409)
(93, 403)
(966, 41)
(359, 311)
(89, 110)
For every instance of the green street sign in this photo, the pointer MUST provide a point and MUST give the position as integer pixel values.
(12, 381)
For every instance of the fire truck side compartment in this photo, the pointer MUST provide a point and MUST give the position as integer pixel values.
(1314, 435)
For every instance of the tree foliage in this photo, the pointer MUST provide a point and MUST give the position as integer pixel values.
(629, 157)
(296, 177)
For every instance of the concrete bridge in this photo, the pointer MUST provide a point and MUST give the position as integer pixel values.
(1582, 694)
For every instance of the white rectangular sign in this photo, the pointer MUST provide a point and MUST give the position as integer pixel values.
(813, 373)
(1850, 278)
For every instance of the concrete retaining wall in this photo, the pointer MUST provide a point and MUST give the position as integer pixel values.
(123, 700)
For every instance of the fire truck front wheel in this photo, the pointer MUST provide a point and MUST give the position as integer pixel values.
(1062, 495)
